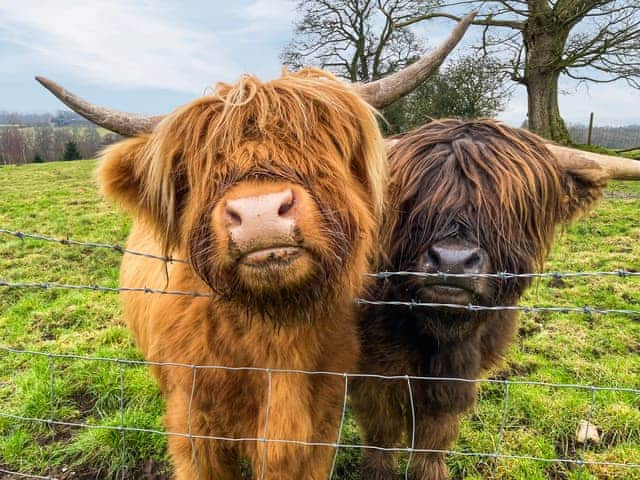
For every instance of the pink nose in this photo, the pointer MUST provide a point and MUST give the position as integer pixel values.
(261, 221)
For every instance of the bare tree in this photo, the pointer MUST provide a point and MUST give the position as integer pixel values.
(588, 40)
(12, 145)
(361, 41)
(20, 144)
(89, 142)
(43, 143)
(356, 39)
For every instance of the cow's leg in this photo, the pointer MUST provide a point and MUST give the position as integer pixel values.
(203, 460)
(197, 458)
(284, 420)
(379, 415)
(433, 432)
(303, 423)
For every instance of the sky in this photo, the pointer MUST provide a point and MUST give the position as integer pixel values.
(150, 56)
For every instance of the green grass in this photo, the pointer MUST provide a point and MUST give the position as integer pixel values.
(60, 199)
(635, 154)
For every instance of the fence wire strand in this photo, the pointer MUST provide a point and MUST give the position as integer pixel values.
(503, 423)
(123, 450)
(194, 452)
(412, 448)
(24, 475)
(586, 309)
(79, 243)
(265, 430)
(344, 412)
(380, 275)
(304, 443)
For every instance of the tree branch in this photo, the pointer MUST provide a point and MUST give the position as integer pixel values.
(487, 21)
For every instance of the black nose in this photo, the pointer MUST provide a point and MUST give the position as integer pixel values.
(456, 256)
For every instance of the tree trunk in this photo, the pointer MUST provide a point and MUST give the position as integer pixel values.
(544, 40)
(544, 113)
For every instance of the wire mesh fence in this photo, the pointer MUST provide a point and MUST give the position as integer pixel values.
(53, 363)
(409, 448)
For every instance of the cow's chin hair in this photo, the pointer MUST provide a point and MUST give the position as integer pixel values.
(273, 278)
(299, 292)
(447, 325)
(442, 323)
(452, 324)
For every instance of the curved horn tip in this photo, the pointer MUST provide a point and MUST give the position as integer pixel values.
(617, 168)
(124, 123)
(385, 91)
(48, 84)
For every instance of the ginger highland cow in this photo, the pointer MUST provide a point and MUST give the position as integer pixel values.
(271, 191)
(465, 198)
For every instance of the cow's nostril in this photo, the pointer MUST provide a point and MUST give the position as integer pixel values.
(287, 205)
(231, 217)
(433, 258)
(473, 261)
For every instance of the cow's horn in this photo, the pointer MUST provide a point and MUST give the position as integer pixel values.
(124, 123)
(387, 90)
(618, 168)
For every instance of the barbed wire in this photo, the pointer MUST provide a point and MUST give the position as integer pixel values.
(618, 195)
(586, 309)
(100, 288)
(79, 243)
(517, 308)
(622, 273)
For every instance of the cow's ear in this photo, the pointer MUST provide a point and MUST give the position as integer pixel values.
(147, 184)
(583, 183)
(120, 173)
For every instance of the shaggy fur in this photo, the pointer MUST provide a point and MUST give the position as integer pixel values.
(305, 131)
(481, 182)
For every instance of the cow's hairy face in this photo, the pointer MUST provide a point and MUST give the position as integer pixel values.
(472, 198)
(272, 190)
(322, 231)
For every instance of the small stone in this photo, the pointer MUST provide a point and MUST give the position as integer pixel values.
(587, 433)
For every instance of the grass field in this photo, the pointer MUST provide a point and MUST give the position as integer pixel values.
(60, 199)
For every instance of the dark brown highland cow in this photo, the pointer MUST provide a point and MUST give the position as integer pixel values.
(465, 197)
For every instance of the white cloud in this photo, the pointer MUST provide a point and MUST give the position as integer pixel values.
(273, 12)
(186, 46)
(612, 103)
(116, 42)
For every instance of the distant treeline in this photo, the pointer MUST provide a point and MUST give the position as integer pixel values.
(59, 119)
(45, 143)
(610, 137)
